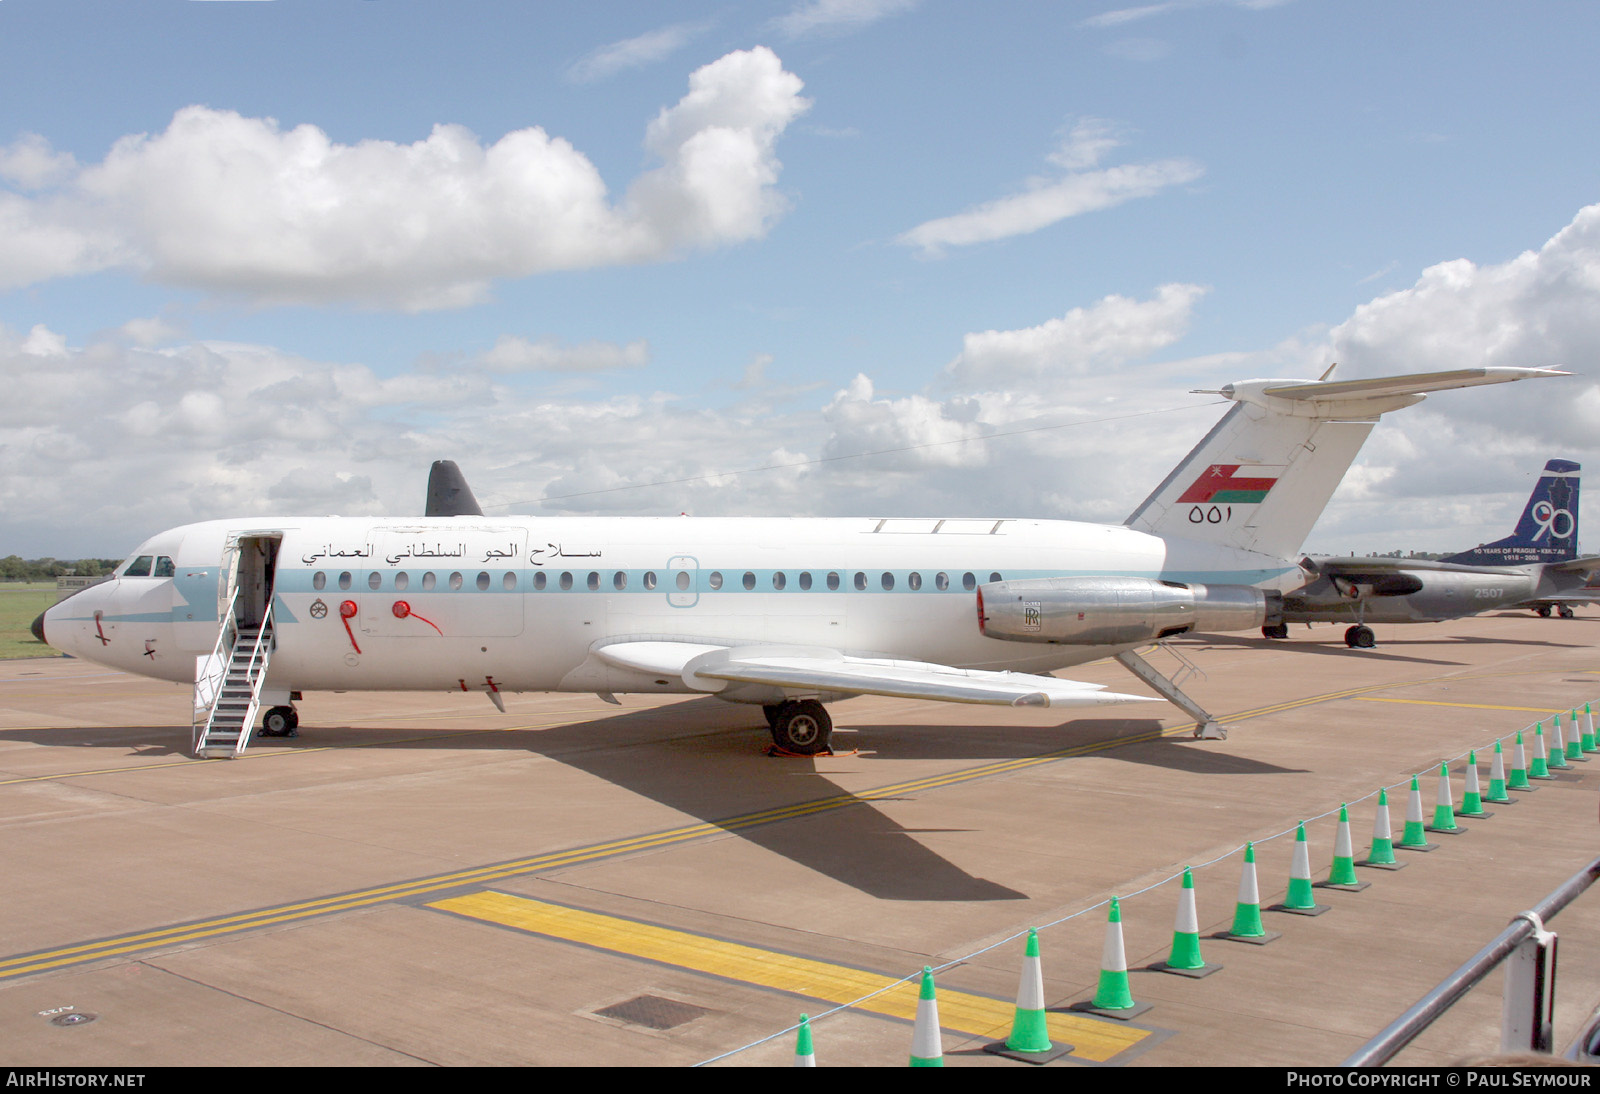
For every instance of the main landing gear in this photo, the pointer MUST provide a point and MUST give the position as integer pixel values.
(1275, 630)
(281, 721)
(801, 726)
(1360, 637)
(1563, 610)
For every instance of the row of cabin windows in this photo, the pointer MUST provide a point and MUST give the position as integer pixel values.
(619, 580)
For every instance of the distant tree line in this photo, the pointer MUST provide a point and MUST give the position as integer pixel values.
(14, 568)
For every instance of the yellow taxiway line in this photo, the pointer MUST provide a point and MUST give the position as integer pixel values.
(978, 1015)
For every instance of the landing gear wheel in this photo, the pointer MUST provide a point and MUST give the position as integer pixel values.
(1542, 611)
(802, 727)
(1275, 630)
(280, 722)
(1360, 637)
(771, 711)
(1565, 612)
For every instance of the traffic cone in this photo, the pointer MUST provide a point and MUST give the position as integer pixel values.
(1185, 959)
(804, 1055)
(1114, 992)
(1558, 747)
(1028, 1030)
(1247, 913)
(1382, 853)
(1342, 875)
(1030, 1033)
(1411, 837)
(1540, 768)
(1472, 797)
(1519, 767)
(1497, 777)
(927, 1048)
(1113, 998)
(1444, 809)
(1299, 899)
(1574, 738)
(1588, 730)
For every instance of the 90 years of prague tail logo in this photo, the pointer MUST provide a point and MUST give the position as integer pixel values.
(1220, 487)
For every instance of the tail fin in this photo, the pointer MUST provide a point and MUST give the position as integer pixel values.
(448, 492)
(1261, 478)
(1548, 530)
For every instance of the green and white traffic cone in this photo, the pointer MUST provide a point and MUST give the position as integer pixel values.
(1247, 912)
(1185, 959)
(927, 1047)
(1342, 875)
(1444, 808)
(1030, 1029)
(804, 1054)
(1575, 738)
(1558, 747)
(1411, 837)
(1029, 1032)
(1472, 795)
(1114, 992)
(1497, 777)
(1381, 855)
(1519, 767)
(1588, 730)
(1540, 768)
(1299, 899)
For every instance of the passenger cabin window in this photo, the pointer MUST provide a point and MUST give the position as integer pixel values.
(539, 580)
(566, 580)
(682, 580)
(344, 580)
(375, 581)
(139, 567)
(509, 582)
(861, 583)
(402, 581)
(319, 580)
(429, 581)
(483, 581)
(650, 579)
(968, 582)
(594, 581)
(914, 580)
(833, 582)
(715, 580)
(749, 581)
(941, 581)
(996, 577)
(805, 581)
(619, 580)
(888, 581)
(778, 581)
(455, 582)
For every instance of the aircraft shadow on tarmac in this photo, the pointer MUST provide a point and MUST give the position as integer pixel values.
(708, 760)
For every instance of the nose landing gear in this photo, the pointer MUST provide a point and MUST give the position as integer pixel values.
(281, 721)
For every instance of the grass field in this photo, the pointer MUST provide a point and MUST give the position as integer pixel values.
(20, 604)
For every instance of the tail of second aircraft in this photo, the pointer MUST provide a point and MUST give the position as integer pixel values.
(1261, 478)
(1548, 530)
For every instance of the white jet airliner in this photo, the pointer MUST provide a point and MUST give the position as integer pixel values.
(787, 613)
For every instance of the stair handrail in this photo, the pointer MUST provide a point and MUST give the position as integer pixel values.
(216, 673)
(260, 653)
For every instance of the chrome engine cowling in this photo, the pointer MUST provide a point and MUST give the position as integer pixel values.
(1118, 610)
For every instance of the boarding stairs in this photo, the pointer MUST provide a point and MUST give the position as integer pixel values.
(228, 687)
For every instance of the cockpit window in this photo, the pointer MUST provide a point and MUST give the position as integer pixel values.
(139, 567)
(164, 567)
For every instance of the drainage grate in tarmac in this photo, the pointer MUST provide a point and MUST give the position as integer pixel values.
(653, 1011)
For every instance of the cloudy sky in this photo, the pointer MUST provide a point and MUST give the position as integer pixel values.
(881, 257)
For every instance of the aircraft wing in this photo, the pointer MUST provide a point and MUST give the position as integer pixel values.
(1355, 567)
(816, 669)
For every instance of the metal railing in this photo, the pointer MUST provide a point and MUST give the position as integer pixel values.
(209, 676)
(1528, 1001)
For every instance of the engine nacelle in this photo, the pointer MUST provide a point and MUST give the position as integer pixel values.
(1118, 610)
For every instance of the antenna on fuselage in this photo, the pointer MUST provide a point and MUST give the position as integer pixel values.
(448, 492)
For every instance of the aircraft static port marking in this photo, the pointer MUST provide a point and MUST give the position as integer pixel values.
(875, 993)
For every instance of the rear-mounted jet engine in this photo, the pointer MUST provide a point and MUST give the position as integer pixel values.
(1118, 610)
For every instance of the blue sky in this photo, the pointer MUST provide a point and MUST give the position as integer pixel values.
(278, 257)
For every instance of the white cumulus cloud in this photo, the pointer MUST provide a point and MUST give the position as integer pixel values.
(238, 205)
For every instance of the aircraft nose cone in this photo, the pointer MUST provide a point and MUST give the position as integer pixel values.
(38, 628)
